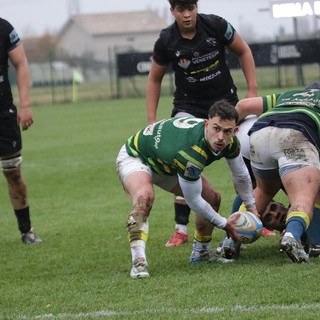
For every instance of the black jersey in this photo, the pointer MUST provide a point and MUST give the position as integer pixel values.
(9, 39)
(201, 71)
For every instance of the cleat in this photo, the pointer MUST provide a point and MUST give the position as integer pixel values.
(177, 239)
(267, 233)
(30, 237)
(139, 269)
(207, 256)
(293, 249)
(314, 250)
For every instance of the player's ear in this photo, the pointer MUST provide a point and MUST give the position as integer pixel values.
(236, 129)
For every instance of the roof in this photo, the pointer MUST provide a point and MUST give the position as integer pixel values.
(119, 22)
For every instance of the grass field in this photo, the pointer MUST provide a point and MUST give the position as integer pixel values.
(81, 271)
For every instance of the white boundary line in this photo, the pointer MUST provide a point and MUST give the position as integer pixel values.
(209, 310)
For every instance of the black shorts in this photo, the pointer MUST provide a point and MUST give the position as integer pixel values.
(199, 107)
(10, 133)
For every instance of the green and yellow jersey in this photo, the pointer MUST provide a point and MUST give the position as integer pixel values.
(296, 109)
(177, 146)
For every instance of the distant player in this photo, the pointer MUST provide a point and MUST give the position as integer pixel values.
(12, 49)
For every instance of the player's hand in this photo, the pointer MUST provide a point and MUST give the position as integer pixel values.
(25, 118)
(230, 229)
(255, 212)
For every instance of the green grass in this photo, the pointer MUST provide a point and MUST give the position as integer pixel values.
(78, 207)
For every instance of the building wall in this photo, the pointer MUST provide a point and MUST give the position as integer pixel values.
(76, 42)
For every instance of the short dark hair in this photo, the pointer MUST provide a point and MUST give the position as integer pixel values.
(224, 110)
(182, 3)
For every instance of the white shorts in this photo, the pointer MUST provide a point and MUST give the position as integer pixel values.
(242, 134)
(283, 149)
(125, 165)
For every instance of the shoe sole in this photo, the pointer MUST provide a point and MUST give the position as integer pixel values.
(140, 276)
(287, 248)
(171, 244)
(31, 242)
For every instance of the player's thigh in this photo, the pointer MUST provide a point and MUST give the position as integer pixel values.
(135, 176)
(302, 187)
(139, 186)
(261, 150)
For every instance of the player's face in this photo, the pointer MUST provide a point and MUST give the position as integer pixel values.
(186, 17)
(274, 218)
(219, 132)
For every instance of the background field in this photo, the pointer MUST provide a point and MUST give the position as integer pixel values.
(81, 271)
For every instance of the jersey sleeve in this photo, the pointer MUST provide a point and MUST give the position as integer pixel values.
(12, 37)
(159, 53)
(269, 101)
(223, 28)
(233, 149)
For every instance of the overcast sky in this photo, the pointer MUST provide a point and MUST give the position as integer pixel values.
(35, 17)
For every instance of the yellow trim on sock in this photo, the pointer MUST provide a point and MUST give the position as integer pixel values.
(201, 238)
(141, 236)
(144, 236)
(317, 206)
(300, 214)
(242, 207)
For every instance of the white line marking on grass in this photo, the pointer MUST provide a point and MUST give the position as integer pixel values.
(209, 310)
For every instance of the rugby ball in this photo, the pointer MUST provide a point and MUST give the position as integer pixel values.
(248, 226)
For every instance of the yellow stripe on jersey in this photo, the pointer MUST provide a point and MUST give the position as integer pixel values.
(165, 166)
(201, 151)
(154, 166)
(193, 160)
(271, 101)
(133, 151)
(231, 143)
(179, 164)
(135, 141)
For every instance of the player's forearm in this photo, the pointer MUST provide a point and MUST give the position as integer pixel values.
(249, 70)
(152, 99)
(23, 84)
(242, 181)
(192, 194)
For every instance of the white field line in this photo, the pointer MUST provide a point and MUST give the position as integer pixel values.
(209, 310)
